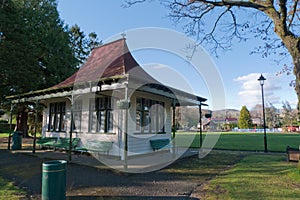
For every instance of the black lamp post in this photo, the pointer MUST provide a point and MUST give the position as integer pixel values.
(200, 122)
(261, 80)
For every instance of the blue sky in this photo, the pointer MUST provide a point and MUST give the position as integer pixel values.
(239, 70)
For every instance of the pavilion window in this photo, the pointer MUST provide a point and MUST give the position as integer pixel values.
(57, 117)
(150, 116)
(77, 114)
(101, 115)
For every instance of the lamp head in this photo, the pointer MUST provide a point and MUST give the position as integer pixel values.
(261, 79)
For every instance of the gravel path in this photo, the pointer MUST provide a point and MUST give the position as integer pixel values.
(85, 182)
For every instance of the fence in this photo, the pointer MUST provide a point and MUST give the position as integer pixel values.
(258, 130)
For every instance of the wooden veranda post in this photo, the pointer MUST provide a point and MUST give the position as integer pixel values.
(174, 129)
(35, 125)
(200, 124)
(126, 130)
(10, 125)
(71, 129)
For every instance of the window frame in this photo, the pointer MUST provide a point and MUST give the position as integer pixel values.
(149, 119)
(77, 112)
(57, 117)
(101, 116)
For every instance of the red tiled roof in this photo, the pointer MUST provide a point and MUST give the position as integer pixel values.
(109, 60)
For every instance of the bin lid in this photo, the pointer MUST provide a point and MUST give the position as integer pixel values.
(54, 165)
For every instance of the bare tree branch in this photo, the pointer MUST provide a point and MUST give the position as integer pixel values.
(283, 13)
(205, 19)
(259, 5)
(129, 3)
(293, 13)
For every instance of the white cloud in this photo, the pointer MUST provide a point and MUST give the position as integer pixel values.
(249, 93)
(155, 66)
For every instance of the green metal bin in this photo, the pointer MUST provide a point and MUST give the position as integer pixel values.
(54, 180)
(16, 140)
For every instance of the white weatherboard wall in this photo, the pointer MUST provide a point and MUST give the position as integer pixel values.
(137, 143)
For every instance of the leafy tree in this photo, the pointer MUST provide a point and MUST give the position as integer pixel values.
(245, 120)
(272, 116)
(218, 23)
(289, 116)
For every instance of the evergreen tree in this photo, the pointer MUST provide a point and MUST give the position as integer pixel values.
(81, 45)
(35, 46)
(245, 120)
(36, 49)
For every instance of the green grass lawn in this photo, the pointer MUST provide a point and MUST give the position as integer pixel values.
(256, 177)
(277, 142)
(2, 135)
(9, 191)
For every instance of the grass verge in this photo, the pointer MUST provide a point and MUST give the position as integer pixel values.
(3, 135)
(9, 191)
(256, 177)
(201, 170)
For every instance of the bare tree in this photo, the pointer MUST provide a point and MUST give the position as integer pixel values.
(289, 116)
(218, 23)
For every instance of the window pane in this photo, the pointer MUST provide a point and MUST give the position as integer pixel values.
(52, 122)
(77, 115)
(57, 122)
(93, 122)
(63, 123)
(139, 104)
(101, 121)
(153, 114)
(110, 121)
(77, 121)
(138, 120)
(146, 120)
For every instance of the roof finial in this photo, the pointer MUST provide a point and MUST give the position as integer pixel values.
(123, 35)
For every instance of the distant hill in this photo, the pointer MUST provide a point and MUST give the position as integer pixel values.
(226, 113)
(189, 116)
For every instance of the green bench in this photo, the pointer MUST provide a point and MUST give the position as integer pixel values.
(46, 141)
(160, 144)
(57, 143)
(64, 143)
(95, 147)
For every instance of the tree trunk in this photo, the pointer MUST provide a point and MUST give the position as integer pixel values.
(296, 61)
(293, 46)
(22, 118)
(290, 41)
